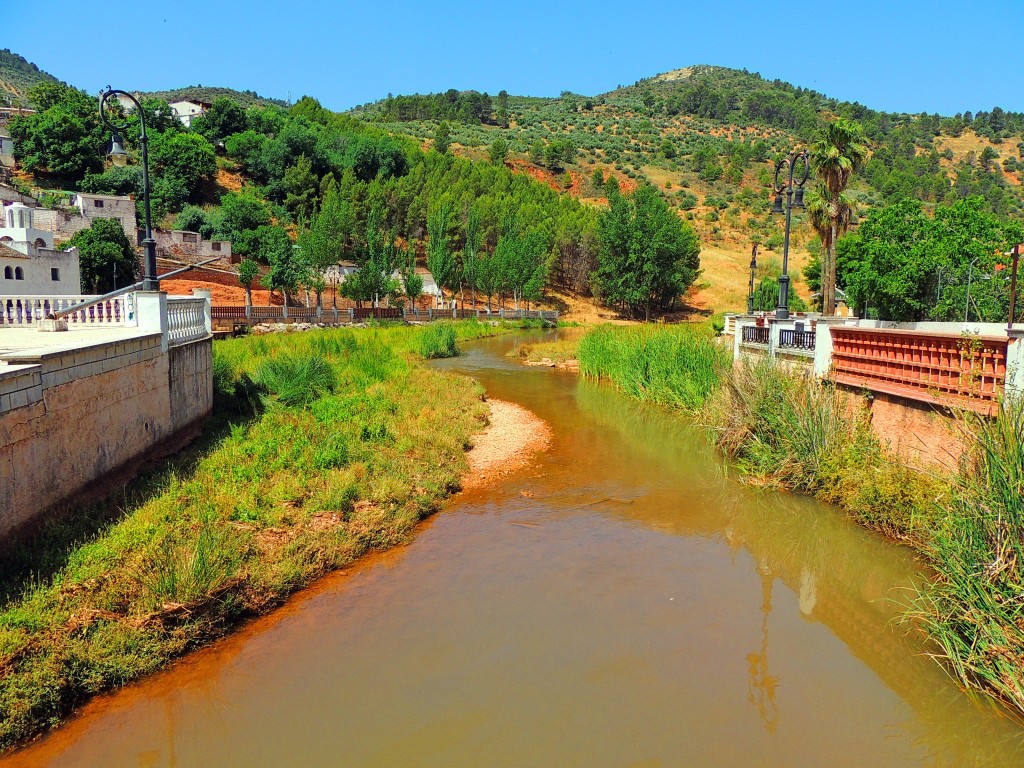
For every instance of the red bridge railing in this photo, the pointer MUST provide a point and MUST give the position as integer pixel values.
(966, 371)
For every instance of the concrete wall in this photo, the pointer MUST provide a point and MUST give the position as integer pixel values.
(73, 420)
(924, 436)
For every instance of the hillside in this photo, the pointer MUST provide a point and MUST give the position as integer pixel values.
(708, 138)
(210, 93)
(17, 76)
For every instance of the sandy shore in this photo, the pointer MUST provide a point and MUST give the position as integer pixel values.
(511, 440)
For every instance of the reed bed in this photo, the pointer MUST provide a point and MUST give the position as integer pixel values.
(974, 608)
(678, 366)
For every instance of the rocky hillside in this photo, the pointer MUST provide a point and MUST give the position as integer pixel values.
(17, 75)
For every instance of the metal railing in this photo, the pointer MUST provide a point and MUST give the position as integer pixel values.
(186, 319)
(969, 371)
(359, 314)
(793, 339)
(756, 334)
(26, 310)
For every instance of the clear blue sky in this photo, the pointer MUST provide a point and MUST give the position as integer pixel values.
(940, 56)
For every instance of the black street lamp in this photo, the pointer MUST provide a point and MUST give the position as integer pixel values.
(750, 290)
(118, 156)
(792, 201)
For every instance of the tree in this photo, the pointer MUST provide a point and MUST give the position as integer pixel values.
(301, 189)
(470, 258)
(224, 118)
(64, 138)
(840, 150)
(498, 151)
(186, 158)
(273, 247)
(909, 266)
(442, 137)
(412, 284)
(377, 259)
(766, 297)
(248, 271)
(440, 259)
(105, 256)
(648, 256)
(520, 258)
(324, 240)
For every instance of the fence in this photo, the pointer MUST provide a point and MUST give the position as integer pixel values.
(186, 319)
(793, 339)
(359, 314)
(228, 313)
(967, 370)
(755, 334)
(377, 313)
(26, 310)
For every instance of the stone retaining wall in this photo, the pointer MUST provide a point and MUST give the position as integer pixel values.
(71, 420)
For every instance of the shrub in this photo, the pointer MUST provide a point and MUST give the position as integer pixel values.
(294, 379)
(437, 340)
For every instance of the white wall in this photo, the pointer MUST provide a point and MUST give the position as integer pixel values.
(37, 278)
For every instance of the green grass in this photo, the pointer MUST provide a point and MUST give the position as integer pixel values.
(973, 608)
(325, 445)
(679, 366)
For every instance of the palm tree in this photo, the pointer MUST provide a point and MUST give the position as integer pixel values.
(819, 216)
(840, 151)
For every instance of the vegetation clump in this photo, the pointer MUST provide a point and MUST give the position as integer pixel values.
(678, 366)
(972, 608)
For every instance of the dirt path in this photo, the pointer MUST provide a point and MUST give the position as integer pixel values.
(511, 440)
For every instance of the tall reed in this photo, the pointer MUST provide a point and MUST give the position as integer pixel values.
(974, 608)
(678, 366)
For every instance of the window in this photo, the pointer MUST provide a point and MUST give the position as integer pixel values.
(8, 273)
(216, 246)
(97, 203)
(19, 273)
(55, 274)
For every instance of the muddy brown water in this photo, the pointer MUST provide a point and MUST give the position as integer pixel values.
(623, 602)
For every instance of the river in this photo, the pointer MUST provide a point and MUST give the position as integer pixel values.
(623, 602)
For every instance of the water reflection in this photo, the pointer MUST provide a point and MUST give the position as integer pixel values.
(761, 691)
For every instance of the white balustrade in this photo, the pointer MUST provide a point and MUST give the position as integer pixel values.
(26, 310)
(186, 319)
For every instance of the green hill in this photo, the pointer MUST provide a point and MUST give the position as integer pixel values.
(210, 93)
(707, 137)
(17, 75)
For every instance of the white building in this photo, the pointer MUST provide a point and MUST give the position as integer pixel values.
(29, 263)
(186, 111)
(6, 148)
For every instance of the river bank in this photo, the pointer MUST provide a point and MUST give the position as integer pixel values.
(786, 431)
(326, 445)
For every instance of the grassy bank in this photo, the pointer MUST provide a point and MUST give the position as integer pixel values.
(790, 431)
(325, 445)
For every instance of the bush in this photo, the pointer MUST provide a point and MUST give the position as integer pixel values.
(437, 340)
(295, 379)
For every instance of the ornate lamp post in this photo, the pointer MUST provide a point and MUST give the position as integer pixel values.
(119, 156)
(753, 270)
(792, 201)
